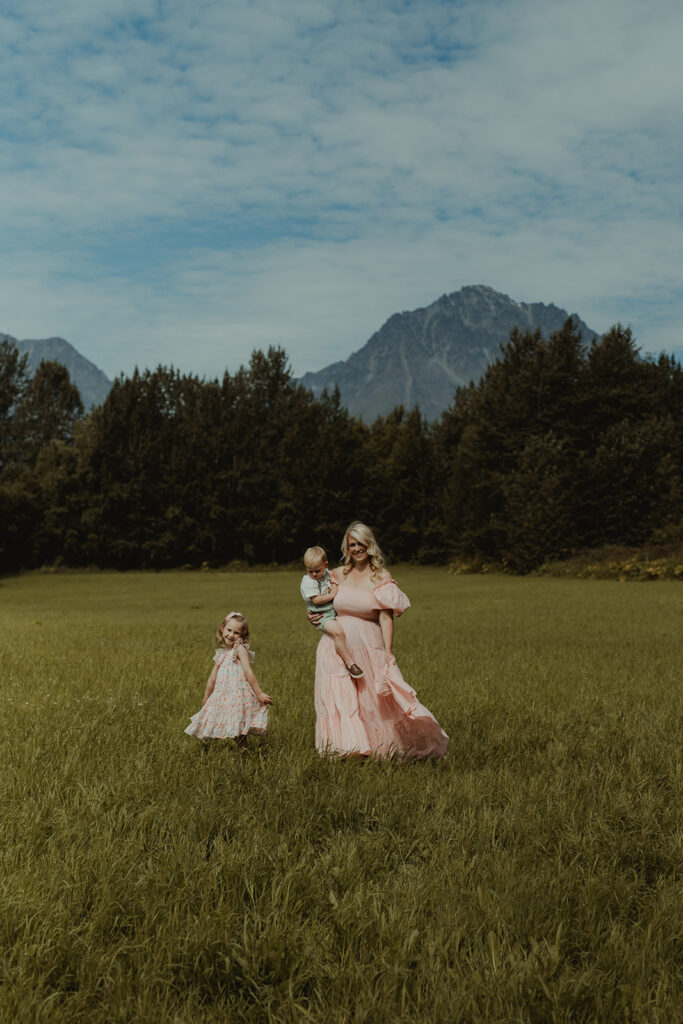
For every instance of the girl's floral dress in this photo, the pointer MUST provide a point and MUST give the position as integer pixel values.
(232, 709)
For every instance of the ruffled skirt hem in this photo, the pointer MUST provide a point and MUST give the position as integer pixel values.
(377, 715)
(216, 724)
(213, 733)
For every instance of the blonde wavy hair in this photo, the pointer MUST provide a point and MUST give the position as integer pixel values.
(242, 621)
(364, 535)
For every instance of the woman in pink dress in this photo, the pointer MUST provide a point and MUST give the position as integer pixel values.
(378, 714)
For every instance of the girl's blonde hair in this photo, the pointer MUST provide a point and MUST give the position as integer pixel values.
(364, 535)
(243, 622)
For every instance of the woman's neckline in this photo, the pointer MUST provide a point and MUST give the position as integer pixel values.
(368, 590)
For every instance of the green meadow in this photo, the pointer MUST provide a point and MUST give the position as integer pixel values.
(532, 876)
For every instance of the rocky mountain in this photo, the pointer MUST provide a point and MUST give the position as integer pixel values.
(90, 381)
(420, 357)
(417, 358)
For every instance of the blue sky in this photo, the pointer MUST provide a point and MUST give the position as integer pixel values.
(182, 181)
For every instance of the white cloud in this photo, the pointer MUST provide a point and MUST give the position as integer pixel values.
(184, 183)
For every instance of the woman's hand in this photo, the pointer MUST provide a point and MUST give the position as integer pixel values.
(314, 617)
(389, 658)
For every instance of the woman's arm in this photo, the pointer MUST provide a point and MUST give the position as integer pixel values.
(386, 624)
(261, 697)
(210, 683)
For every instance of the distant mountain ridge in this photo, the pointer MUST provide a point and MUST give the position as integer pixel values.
(417, 357)
(88, 378)
(420, 357)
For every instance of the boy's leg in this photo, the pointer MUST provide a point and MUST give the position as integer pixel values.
(334, 629)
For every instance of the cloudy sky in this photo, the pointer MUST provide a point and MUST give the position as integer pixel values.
(182, 181)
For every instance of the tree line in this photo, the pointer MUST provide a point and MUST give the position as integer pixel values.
(558, 447)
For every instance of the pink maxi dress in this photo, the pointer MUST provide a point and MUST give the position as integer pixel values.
(378, 714)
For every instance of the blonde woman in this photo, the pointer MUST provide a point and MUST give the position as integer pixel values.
(378, 714)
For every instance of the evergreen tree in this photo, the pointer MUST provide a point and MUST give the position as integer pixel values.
(151, 455)
(539, 501)
(14, 378)
(636, 481)
(402, 490)
(35, 413)
(49, 407)
(632, 423)
(293, 465)
(559, 447)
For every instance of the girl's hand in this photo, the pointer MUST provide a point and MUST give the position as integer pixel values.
(263, 698)
(333, 589)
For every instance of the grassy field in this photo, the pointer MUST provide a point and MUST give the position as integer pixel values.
(533, 876)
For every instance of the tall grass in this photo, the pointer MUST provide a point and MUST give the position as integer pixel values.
(533, 876)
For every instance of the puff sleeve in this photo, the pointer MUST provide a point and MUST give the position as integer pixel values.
(388, 596)
(221, 654)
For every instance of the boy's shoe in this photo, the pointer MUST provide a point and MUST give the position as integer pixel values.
(354, 671)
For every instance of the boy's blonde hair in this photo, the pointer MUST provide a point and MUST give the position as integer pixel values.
(314, 556)
(364, 535)
(242, 621)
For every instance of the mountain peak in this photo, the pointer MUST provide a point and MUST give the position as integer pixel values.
(419, 357)
(90, 381)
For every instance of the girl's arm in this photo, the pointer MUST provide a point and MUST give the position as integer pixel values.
(386, 624)
(261, 697)
(210, 683)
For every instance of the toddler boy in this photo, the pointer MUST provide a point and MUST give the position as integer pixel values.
(318, 590)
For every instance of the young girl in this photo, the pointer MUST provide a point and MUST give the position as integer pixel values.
(234, 704)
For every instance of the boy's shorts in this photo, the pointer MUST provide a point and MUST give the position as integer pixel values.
(327, 614)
